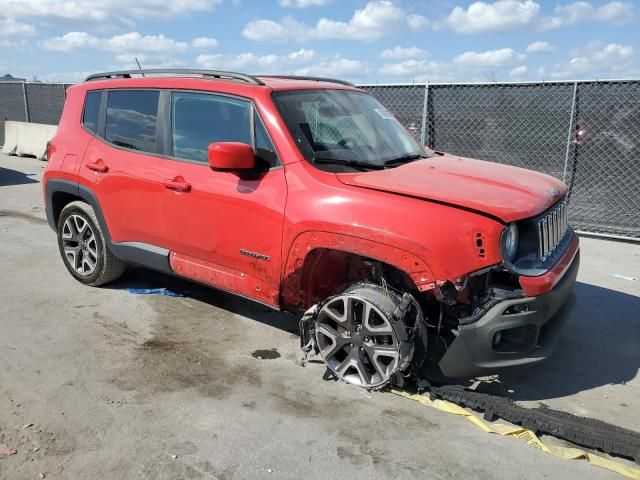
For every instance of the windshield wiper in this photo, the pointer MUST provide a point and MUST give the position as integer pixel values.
(404, 159)
(349, 163)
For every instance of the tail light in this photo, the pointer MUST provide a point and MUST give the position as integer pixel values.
(49, 151)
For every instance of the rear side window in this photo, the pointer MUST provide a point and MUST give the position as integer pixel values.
(132, 119)
(91, 110)
(198, 119)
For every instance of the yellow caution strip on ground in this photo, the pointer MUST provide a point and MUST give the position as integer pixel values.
(524, 434)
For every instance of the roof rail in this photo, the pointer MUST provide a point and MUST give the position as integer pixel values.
(315, 79)
(177, 71)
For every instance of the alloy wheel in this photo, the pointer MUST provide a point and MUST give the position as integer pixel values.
(80, 245)
(357, 341)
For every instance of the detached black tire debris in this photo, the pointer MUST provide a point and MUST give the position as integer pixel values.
(583, 431)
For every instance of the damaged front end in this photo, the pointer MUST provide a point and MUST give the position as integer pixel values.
(470, 326)
(488, 323)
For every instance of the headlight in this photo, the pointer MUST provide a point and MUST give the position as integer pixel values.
(510, 241)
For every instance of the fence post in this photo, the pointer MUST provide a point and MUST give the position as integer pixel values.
(26, 105)
(424, 115)
(570, 134)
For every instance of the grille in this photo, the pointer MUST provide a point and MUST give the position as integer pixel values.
(552, 227)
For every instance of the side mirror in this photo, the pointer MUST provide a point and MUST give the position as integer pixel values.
(231, 156)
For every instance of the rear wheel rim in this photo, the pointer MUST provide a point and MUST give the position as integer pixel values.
(357, 341)
(79, 245)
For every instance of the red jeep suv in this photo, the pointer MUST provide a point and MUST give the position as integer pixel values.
(306, 194)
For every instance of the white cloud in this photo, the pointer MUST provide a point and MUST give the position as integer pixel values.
(9, 27)
(468, 66)
(376, 19)
(414, 70)
(336, 67)
(132, 42)
(304, 3)
(204, 42)
(121, 12)
(297, 63)
(268, 30)
(596, 60)
(417, 22)
(617, 13)
(511, 15)
(252, 63)
(302, 55)
(401, 53)
(71, 41)
(490, 58)
(408, 68)
(518, 72)
(540, 47)
(500, 16)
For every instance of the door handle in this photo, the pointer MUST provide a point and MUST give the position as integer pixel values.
(97, 166)
(177, 185)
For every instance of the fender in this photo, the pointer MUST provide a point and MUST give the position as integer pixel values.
(151, 256)
(291, 291)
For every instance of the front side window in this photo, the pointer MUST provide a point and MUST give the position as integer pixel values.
(347, 128)
(199, 119)
(132, 119)
(92, 110)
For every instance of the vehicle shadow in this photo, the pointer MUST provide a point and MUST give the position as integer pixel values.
(143, 278)
(13, 177)
(600, 345)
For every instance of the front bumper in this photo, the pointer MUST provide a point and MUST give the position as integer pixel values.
(506, 336)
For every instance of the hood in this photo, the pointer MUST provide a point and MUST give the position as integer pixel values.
(502, 191)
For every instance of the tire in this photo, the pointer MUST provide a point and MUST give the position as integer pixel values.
(83, 247)
(370, 345)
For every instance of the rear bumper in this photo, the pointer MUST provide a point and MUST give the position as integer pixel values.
(507, 337)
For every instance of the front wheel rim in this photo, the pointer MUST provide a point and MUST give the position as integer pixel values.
(357, 341)
(79, 245)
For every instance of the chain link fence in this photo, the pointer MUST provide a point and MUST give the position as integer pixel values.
(585, 133)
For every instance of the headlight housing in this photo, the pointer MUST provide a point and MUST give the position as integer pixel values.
(510, 242)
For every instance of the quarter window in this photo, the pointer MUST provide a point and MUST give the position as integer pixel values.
(199, 119)
(266, 155)
(132, 119)
(91, 110)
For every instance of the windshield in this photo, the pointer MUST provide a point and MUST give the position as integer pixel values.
(346, 128)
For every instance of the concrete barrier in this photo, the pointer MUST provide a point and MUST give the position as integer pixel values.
(21, 138)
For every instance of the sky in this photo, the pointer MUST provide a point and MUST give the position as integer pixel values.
(365, 41)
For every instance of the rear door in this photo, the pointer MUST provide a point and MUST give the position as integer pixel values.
(122, 166)
(225, 229)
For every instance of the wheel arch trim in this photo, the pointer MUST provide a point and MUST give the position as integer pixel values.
(151, 256)
(291, 288)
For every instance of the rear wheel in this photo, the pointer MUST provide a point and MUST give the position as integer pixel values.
(360, 336)
(83, 248)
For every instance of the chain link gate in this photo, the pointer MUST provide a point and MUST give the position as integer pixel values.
(584, 133)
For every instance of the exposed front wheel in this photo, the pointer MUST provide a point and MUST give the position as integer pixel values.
(361, 336)
(83, 247)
